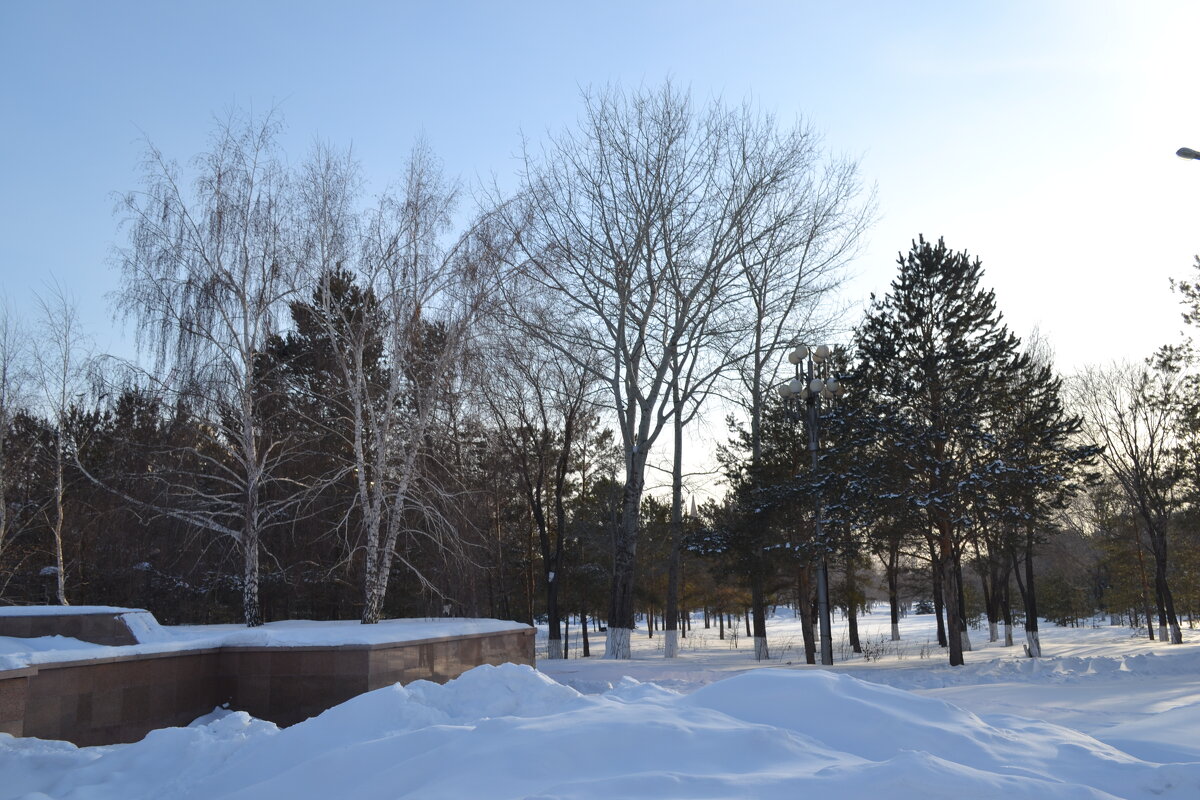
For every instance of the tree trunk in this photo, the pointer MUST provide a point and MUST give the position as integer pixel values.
(950, 595)
(804, 602)
(963, 632)
(939, 603)
(529, 582)
(1033, 645)
(893, 581)
(852, 605)
(555, 643)
(372, 597)
(991, 599)
(759, 607)
(1169, 619)
(1006, 612)
(671, 635)
(583, 631)
(953, 625)
(1161, 607)
(251, 612)
(60, 567)
(621, 608)
(1145, 590)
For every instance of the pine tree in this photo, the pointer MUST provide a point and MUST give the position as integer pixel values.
(1036, 468)
(936, 362)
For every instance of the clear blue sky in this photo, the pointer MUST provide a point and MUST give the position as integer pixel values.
(1037, 135)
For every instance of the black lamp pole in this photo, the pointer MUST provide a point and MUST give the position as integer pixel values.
(811, 389)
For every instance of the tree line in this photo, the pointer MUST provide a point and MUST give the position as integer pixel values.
(363, 405)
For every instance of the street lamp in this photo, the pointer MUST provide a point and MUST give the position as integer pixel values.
(1187, 152)
(802, 396)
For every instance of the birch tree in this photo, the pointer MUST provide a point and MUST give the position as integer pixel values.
(207, 274)
(60, 357)
(425, 290)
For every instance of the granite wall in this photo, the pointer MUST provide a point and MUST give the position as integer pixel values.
(122, 698)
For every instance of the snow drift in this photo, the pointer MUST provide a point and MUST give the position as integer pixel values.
(499, 732)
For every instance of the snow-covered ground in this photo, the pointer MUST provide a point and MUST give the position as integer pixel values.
(1109, 682)
(1104, 714)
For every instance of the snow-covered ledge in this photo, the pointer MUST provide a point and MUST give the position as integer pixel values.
(106, 625)
(63, 688)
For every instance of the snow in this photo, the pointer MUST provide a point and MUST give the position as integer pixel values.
(145, 627)
(21, 652)
(54, 611)
(156, 638)
(305, 633)
(1103, 715)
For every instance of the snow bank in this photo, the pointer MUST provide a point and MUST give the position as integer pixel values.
(145, 627)
(18, 652)
(509, 731)
(1053, 670)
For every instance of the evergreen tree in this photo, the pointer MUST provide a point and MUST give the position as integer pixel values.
(936, 363)
(1036, 468)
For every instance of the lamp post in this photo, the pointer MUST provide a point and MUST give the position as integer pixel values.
(802, 395)
(1187, 152)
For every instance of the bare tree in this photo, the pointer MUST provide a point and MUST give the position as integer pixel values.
(1127, 411)
(60, 356)
(635, 221)
(540, 405)
(398, 350)
(791, 249)
(207, 274)
(794, 254)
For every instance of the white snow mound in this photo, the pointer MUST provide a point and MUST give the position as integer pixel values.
(1045, 670)
(509, 732)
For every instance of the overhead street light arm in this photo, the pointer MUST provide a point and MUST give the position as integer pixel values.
(1187, 152)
